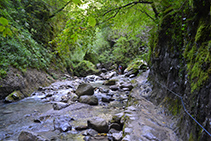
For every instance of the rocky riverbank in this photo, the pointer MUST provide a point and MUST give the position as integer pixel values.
(106, 107)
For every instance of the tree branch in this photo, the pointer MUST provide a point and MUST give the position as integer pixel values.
(54, 14)
(132, 3)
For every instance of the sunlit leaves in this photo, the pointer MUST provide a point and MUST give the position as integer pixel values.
(4, 27)
(77, 2)
(92, 21)
(3, 21)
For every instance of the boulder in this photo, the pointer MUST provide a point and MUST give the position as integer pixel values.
(84, 89)
(98, 124)
(134, 68)
(117, 136)
(92, 78)
(114, 88)
(16, 95)
(31, 136)
(91, 100)
(59, 105)
(126, 85)
(81, 127)
(90, 132)
(85, 68)
(116, 126)
(108, 75)
(62, 123)
(110, 82)
(106, 99)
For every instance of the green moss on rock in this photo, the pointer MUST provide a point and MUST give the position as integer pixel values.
(135, 66)
(16, 95)
(85, 68)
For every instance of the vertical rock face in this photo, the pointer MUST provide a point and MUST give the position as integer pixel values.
(176, 62)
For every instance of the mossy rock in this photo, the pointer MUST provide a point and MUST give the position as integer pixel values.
(135, 66)
(16, 95)
(85, 68)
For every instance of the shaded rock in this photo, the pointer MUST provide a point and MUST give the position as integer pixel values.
(111, 131)
(31, 136)
(103, 90)
(62, 123)
(134, 68)
(92, 78)
(110, 82)
(85, 68)
(103, 70)
(91, 100)
(84, 89)
(16, 95)
(59, 105)
(114, 88)
(117, 118)
(82, 127)
(90, 132)
(98, 124)
(106, 99)
(116, 126)
(108, 75)
(126, 85)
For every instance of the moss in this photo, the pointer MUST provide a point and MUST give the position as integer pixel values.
(202, 32)
(136, 66)
(85, 68)
(191, 137)
(198, 65)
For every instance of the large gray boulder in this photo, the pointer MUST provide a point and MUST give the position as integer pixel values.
(91, 100)
(98, 124)
(31, 136)
(84, 89)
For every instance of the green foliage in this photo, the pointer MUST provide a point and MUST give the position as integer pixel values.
(24, 48)
(4, 27)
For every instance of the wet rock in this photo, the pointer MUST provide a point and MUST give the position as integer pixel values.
(98, 124)
(133, 69)
(106, 99)
(72, 96)
(102, 90)
(87, 138)
(91, 100)
(62, 123)
(92, 78)
(117, 118)
(90, 132)
(104, 70)
(16, 95)
(31, 136)
(114, 88)
(82, 127)
(59, 105)
(108, 75)
(110, 82)
(85, 89)
(126, 85)
(116, 126)
(117, 136)
(111, 131)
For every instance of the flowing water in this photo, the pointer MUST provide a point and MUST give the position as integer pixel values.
(36, 113)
